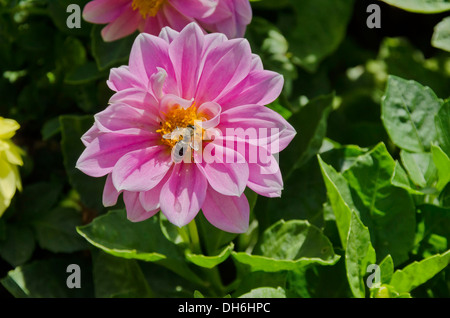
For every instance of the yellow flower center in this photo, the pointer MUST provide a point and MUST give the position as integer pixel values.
(147, 7)
(177, 117)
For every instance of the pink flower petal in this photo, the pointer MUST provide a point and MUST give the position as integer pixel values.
(135, 210)
(149, 53)
(110, 194)
(231, 17)
(124, 25)
(257, 64)
(228, 213)
(243, 11)
(121, 78)
(150, 199)
(211, 113)
(104, 11)
(222, 12)
(259, 87)
(168, 34)
(90, 135)
(156, 83)
(185, 53)
(100, 156)
(175, 18)
(265, 177)
(225, 66)
(136, 98)
(141, 170)
(212, 40)
(270, 129)
(183, 194)
(126, 119)
(196, 9)
(226, 170)
(151, 25)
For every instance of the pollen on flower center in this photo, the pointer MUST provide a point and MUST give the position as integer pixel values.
(178, 117)
(147, 7)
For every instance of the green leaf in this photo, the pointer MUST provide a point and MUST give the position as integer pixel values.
(311, 125)
(50, 128)
(280, 109)
(340, 199)
(209, 261)
(47, 279)
(116, 235)
(163, 282)
(19, 245)
(320, 30)
(420, 167)
(83, 74)
(56, 230)
(265, 292)
(253, 280)
(441, 35)
(173, 232)
(86, 96)
(270, 44)
(420, 6)
(436, 220)
(444, 197)
(307, 181)
(70, 54)
(108, 54)
(90, 189)
(382, 206)
(417, 273)
(400, 179)
(442, 120)
(289, 245)
(408, 112)
(358, 255)
(341, 157)
(442, 162)
(118, 278)
(386, 269)
(398, 57)
(44, 196)
(198, 294)
(297, 284)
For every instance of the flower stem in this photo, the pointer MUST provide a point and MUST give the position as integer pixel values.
(194, 238)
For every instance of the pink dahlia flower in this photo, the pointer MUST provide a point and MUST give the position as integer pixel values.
(123, 17)
(187, 129)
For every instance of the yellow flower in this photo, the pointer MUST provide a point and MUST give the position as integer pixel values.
(10, 159)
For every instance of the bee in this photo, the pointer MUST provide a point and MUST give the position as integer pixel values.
(183, 145)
